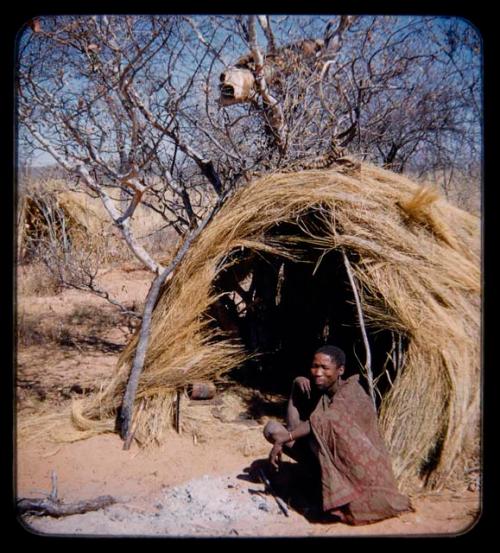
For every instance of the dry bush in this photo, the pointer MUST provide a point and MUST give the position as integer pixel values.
(29, 332)
(465, 193)
(115, 251)
(97, 317)
(460, 188)
(161, 241)
(35, 279)
(33, 330)
(93, 321)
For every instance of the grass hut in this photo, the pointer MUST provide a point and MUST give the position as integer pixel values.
(267, 280)
(52, 216)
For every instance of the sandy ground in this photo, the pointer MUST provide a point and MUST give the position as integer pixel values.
(183, 489)
(201, 482)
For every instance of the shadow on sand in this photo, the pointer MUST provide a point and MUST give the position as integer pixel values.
(299, 489)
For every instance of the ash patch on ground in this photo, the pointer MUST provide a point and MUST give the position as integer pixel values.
(207, 506)
(223, 501)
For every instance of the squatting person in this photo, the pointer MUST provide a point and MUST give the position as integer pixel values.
(331, 426)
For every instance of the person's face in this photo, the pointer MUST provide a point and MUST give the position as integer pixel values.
(324, 371)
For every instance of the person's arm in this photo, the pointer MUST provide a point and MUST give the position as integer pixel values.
(301, 386)
(284, 436)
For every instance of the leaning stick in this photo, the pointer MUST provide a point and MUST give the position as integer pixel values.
(265, 480)
(368, 363)
(178, 412)
(144, 333)
(133, 428)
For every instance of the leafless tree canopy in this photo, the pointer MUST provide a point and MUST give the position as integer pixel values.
(131, 105)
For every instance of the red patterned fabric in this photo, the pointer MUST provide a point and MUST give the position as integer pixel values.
(358, 484)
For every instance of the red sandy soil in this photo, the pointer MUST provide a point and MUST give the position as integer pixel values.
(187, 487)
(141, 481)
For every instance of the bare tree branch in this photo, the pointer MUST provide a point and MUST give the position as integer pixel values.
(142, 345)
(275, 119)
(265, 23)
(123, 225)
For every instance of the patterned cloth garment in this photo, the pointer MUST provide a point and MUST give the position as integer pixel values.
(358, 483)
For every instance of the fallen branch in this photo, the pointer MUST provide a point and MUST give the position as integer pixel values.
(55, 508)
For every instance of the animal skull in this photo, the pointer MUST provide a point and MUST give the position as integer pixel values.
(237, 84)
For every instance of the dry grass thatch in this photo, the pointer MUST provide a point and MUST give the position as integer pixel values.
(51, 207)
(418, 265)
(85, 218)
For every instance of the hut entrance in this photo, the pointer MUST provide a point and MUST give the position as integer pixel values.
(284, 310)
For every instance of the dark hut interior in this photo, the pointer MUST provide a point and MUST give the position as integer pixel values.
(284, 309)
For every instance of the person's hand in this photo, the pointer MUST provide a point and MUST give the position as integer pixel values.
(304, 385)
(275, 455)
